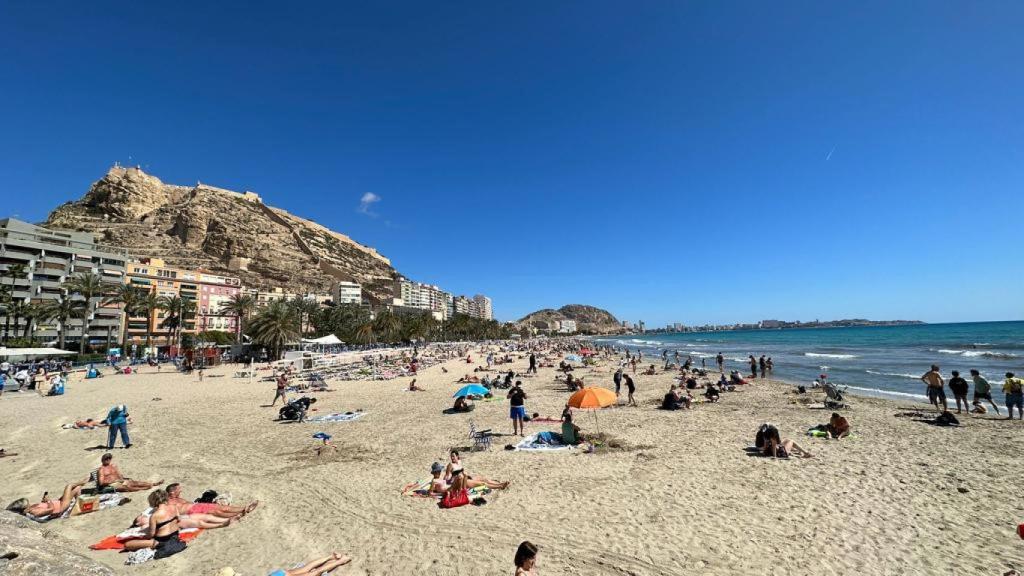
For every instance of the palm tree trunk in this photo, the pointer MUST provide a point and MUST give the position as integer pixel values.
(85, 329)
(61, 332)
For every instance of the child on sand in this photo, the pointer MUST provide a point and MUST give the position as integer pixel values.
(526, 559)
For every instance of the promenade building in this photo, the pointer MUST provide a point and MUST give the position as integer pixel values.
(207, 291)
(348, 293)
(50, 258)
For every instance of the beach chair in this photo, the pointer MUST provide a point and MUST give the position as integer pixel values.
(481, 438)
(833, 397)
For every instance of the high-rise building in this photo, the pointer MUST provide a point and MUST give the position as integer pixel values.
(348, 293)
(424, 297)
(50, 258)
(483, 306)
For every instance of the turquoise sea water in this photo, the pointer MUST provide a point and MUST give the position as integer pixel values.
(879, 359)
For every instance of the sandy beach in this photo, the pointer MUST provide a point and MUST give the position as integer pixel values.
(676, 494)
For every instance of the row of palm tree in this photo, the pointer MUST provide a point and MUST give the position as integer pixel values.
(284, 322)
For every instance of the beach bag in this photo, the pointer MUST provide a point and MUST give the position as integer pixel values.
(450, 500)
(169, 548)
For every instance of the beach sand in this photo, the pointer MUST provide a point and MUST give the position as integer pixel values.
(679, 495)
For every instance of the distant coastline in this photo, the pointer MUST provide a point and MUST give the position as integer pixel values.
(785, 325)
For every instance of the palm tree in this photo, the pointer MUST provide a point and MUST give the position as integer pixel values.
(32, 313)
(365, 334)
(130, 297)
(305, 310)
(179, 310)
(89, 286)
(14, 272)
(275, 326)
(388, 325)
(18, 309)
(62, 309)
(5, 303)
(149, 303)
(240, 306)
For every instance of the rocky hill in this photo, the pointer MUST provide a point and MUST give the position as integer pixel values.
(588, 319)
(224, 232)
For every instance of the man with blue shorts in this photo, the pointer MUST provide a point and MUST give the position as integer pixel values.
(517, 412)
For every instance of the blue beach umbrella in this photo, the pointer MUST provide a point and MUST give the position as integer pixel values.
(471, 390)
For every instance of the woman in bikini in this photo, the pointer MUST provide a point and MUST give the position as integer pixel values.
(48, 509)
(454, 468)
(162, 533)
(316, 567)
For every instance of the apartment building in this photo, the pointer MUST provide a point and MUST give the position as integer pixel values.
(424, 297)
(348, 293)
(50, 258)
(483, 307)
(208, 291)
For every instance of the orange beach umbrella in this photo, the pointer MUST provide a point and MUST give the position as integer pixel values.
(593, 398)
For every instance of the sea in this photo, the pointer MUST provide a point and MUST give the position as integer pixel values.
(885, 361)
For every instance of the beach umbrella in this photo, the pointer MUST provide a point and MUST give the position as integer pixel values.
(471, 390)
(593, 398)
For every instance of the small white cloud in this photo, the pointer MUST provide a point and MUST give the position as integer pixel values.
(366, 202)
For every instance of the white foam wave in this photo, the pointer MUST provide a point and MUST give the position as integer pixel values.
(822, 355)
(976, 353)
(896, 374)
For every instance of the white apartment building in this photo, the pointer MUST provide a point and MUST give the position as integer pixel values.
(483, 307)
(348, 293)
(567, 326)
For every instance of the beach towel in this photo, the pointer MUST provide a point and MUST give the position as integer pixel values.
(117, 541)
(543, 442)
(83, 505)
(336, 417)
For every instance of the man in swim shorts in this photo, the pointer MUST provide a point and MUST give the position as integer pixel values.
(935, 384)
(517, 410)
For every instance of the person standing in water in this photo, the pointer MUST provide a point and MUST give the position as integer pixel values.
(721, 362)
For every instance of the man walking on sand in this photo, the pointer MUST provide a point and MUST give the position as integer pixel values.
(982, 390)
(282, 388)
(533, 364)
(935, 384)
(517, 410)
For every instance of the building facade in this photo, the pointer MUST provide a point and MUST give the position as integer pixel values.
(483, 307)
(50, 259)
(207, 291)
(424, 297)
(348, 293)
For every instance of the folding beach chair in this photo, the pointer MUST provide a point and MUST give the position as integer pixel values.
(833, 397)
(481, 438)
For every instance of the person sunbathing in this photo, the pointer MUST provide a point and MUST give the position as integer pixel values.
(108, 476)
(200, 521)
(47, 509)
(437, 484)
(212, 508)
(414, 388)
(776, 447)
(162, 532)
(837, 427)
(467, 379)
(316, 567)
(462, 405)
(455, 469)
(87, 424)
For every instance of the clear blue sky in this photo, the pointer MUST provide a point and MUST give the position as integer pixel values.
(668, 161)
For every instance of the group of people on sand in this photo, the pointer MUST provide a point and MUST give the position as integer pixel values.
(1013, 388)
(453, 480)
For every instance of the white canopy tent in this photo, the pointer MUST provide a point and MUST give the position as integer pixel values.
(329, 340)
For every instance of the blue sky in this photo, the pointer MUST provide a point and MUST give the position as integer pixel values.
(669, 161)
